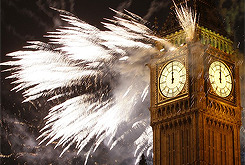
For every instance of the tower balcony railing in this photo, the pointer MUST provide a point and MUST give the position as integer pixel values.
(205, 36)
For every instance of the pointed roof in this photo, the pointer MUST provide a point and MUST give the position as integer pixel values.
(207, 13)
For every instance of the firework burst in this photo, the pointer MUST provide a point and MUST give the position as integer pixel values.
(99, 77)
(187, 20)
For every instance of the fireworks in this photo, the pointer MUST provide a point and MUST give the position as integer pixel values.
(106, 69)
(187, 20)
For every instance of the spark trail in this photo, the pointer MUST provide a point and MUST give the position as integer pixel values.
(99, 78)
(187, 20)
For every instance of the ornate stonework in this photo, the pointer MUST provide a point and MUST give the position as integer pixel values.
(197, 126)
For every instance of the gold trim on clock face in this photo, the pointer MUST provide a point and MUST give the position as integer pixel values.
(172, 79)
(220, 78)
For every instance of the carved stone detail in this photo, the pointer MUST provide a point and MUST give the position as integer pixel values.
(222, 110)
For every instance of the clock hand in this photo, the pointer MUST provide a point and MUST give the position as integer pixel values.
(220, 73)
(172, 74)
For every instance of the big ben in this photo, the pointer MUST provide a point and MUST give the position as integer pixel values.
(195, 94)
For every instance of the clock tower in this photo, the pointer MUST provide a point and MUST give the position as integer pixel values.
(195, 94)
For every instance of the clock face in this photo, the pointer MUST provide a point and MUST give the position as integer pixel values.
(172, 79)
(220, 78)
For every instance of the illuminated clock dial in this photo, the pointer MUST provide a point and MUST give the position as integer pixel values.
(220, 78)
(172, 79)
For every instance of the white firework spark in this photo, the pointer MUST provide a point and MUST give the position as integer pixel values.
(187, 20)
(100, 75)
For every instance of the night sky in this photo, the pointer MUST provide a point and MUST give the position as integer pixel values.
(28, 20)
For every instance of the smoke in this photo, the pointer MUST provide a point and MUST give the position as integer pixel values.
(124, 5)
(93, 74)
(27, 12)
(38, 13)
(232, 11)
(233, 14)
(44, 6)
(110, 104)
(19, 137)
(10, 25)
(61, 4)
(92, 88)
(155, 7)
